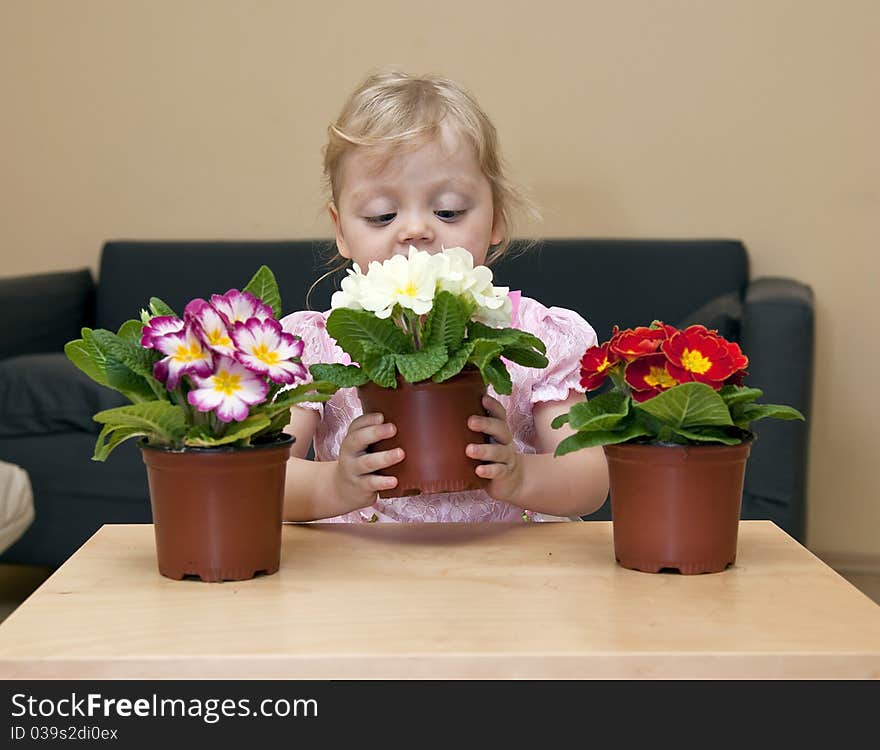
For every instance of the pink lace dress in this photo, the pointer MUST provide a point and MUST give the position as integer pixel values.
(566, 335)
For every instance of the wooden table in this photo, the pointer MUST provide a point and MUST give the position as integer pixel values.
(445, 601)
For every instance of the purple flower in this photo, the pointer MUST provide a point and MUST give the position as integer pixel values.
(211, 325)
(265, 348)
(229, 391)
(158, 327)
(186, 354)
(239, 307)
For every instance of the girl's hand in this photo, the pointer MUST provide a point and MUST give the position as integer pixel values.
(356, 484)
(504, 469)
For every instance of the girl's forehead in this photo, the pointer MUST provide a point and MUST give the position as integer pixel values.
(435, 158)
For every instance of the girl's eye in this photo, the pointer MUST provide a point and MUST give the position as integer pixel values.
(448, 215)
(380, 220)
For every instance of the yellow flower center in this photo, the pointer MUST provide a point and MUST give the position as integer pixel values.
(189, 353)
(227, 383)
(218, 337)
(264, 354)
(604, 366)
(694, 361)
(407, 291)
(659, 378)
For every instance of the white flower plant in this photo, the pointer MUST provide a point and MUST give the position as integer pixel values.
(222, 374)
(425, 317)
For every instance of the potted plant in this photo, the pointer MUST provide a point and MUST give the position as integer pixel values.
(426, 337)
(676, 430)
(211, 392)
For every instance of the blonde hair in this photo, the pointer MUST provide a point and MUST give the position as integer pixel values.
(391, 111)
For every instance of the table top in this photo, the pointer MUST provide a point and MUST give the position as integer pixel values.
(494, 600)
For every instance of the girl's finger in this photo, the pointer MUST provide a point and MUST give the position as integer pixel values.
(490, 471)
(370, 462)
(497, 428)
(492, 452)
(376, 482)
(359, 440)
(494, 407)
(365, 420)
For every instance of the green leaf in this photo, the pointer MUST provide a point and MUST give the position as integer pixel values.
(604, 412)
(496, 374)
(164, 421)
(749, 413)
(158, 307)
(707, 435)
(158, 421)
(313, 393)
(131, 330)
(484, 351)
(122, 369)
(455, 364)
(200, 436)
(688, 405)
(358, 332)
(128, 352)
(445, 324)
(525, 357)
(422, 364)
(113, 435)
(342, 376)
(264, 286)
(279, 422)
(734, 394)
(592, 439)
(83, 354)
(559, 420)
(507, 336)
(485, 357)
(381, 369)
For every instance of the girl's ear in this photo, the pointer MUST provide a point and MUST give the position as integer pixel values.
(337, 227)
(499, 229)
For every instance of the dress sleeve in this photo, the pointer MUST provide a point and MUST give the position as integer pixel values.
(318, 347)
(567, 336)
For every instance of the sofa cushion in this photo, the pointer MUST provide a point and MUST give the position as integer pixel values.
(46, 393)
(723, 313)
(49, 310)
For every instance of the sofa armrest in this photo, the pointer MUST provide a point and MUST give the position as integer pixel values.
(777, 335)
(46, 311)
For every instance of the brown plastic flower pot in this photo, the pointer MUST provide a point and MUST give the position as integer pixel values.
(431, 420)
(217, 511)
(676, 507)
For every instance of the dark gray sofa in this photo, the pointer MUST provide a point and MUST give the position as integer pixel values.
(46, 404)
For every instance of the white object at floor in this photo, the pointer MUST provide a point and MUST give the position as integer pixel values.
(16, 504)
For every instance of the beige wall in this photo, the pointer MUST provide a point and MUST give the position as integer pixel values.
(754, 119)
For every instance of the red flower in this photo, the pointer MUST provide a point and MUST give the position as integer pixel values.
(648, 376)
(636, 342)
(595, 364)
(702, 355)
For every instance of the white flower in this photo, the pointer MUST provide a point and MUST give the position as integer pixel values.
(498, 317)
(408, 282)
(460, 277)
(350, 294)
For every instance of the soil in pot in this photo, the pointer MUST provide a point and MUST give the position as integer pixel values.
(217, 512)
(431, 420)
(676, 507)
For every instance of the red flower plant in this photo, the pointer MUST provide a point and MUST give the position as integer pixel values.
(595, 365)
(658, 357)
(669, 387)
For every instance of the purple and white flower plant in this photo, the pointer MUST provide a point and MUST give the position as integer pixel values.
(223, 373)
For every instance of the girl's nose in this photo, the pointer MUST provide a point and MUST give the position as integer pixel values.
(415, 228)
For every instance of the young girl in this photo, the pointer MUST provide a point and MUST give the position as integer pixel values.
(414, 161)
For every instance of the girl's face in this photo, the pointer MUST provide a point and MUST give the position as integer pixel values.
(432, 197)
